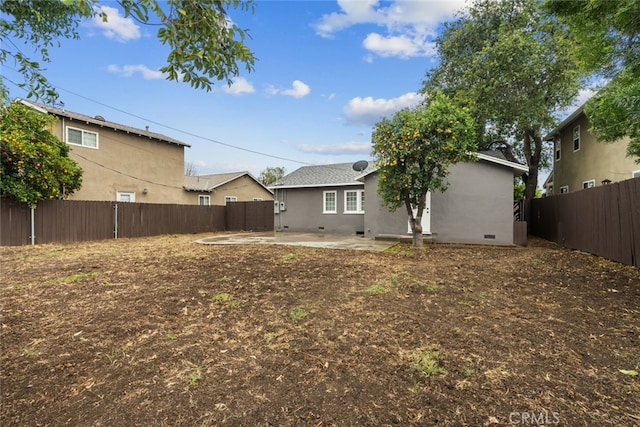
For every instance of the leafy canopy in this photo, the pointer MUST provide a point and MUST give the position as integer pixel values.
(414, 149)
(34, 164)
(271, 174)
(204, 44)
(514, 67)
(607, 36)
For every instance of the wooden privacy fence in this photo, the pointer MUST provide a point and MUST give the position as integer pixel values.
(604, 220)
(73, 221)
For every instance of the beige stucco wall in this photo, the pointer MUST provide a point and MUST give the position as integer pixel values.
(126, 162)
(593, 161)
(244, 188)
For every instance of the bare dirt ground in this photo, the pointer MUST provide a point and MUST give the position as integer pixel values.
(165, 332)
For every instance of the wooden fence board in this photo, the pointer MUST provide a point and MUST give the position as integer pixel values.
(604, 221)
(72, 221)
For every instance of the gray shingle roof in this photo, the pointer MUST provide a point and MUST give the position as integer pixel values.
(100, 121)
(322, 176)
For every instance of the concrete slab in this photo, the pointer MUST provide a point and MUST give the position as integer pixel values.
(314, 240)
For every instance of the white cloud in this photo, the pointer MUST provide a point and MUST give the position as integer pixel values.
(239, 87)
(404, 46)
(369, 111)
(298, 90)
(410, 25)
(337, 149)
(130, 70)
(115, 27)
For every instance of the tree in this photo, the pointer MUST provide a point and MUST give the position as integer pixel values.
(607, 36)
(204, 44)
(190, 169)
(34, 164)
(413, 151)
(271, 175)
(514, 67)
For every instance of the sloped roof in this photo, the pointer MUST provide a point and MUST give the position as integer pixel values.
(100, 121)
(208, 183)
(577, 113)
(338, 174)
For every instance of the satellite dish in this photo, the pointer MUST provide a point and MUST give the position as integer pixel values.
(360, 165)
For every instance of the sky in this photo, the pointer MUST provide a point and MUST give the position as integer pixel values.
(326, 72)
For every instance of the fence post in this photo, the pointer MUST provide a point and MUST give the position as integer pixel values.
(33, 226)
(115, 221)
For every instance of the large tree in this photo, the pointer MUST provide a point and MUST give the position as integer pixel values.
(514, 67)
(607, 35)
(413, 151)
(205, 45)
(271, 174)
(34, 164)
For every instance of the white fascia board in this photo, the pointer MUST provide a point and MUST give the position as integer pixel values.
(348, 184)
(515, 166)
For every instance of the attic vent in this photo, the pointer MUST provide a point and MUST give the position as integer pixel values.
(99, 118)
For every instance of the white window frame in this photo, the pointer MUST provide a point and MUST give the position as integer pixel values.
(576, 137)
(258, 199)
(230, 199)
(204, 200)
(83, 132)
(635, 174)
(335, 202)
(564, 189)
(589, 184)
(120, 195)
(359, 202)
(558, 150)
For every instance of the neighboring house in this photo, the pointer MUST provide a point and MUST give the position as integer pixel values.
(220, 189)
(476, 208)
(120, 162)
(580, 161)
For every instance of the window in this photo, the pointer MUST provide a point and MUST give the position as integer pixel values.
(576, 138)
(635, 174)
(82, 137)
(354, 201)
(258, 199)
(125, 196)
(204, 200)
(564, 189)
(558, 146)
(228, 199)
(589, 184)
(329, 202)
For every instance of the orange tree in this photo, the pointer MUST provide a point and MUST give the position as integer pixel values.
(413, 151)
(34, 164)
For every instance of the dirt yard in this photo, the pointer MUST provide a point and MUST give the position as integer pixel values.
(165, 332)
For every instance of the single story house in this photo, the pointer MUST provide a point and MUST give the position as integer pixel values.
(340, 198)
(222, 188)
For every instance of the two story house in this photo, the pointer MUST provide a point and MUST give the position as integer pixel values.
(120, 163)
(580, 161)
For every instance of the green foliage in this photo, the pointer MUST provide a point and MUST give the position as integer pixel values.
(427, 363)
(271, 174)
(414, 149)
(204, 44)
(34, 164)
(607, 36)
(514, 67)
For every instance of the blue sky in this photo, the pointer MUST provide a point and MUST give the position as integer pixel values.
(326, 72)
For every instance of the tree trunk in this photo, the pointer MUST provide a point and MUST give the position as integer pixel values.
(532, 152)
(416, 223)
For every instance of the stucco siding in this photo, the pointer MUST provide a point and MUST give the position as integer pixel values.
(151, 169)
(594, 160)
(244, 189)
(304, 211)
(478, 203)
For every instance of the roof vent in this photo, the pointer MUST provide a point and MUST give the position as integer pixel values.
(99, 118)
